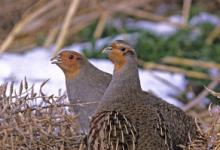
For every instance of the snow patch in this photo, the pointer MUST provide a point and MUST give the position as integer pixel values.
(36, 67)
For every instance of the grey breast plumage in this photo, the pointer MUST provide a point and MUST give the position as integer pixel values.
(85, 92)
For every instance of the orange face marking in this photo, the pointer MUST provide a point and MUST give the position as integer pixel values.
(69, 62)
(117, 54)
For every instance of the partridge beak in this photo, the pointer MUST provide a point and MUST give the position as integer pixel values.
(132, 50)
(107, 50)
(56, 60)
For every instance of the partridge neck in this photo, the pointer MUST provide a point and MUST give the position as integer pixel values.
(89, 79)
(125, 80)
(75, 86)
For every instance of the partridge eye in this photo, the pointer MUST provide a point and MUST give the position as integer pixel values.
(122, 49)
(71, 57)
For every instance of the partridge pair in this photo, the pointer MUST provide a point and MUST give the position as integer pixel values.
(126, 117)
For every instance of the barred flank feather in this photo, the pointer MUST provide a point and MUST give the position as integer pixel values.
(111, 130)
(163, 130)
(200, 143)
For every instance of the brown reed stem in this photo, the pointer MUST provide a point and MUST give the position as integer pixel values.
(101, 25)
(186, 11)
(190, 62)
(202, 95)
(71, 12)
(192, 74)
(19, 26)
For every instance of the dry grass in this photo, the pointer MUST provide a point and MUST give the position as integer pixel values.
(209, 137)
(33, 120)
(67, 18)
(42, 16)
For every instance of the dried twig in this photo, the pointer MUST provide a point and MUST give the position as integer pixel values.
(189, 62)
(202, 95)
(150, 16)
(216, 94)
(101, 25)
(213, 35)
(51, 37)
(192, 74)
(186, 11)
(19, 26)
(71, 12)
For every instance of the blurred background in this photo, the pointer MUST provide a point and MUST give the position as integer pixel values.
(177, 42)
(178, 47)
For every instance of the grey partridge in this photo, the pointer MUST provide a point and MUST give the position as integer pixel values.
(131, 119)
(84, 83)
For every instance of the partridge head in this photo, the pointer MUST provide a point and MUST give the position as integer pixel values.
(118, 52)
(70, 62)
